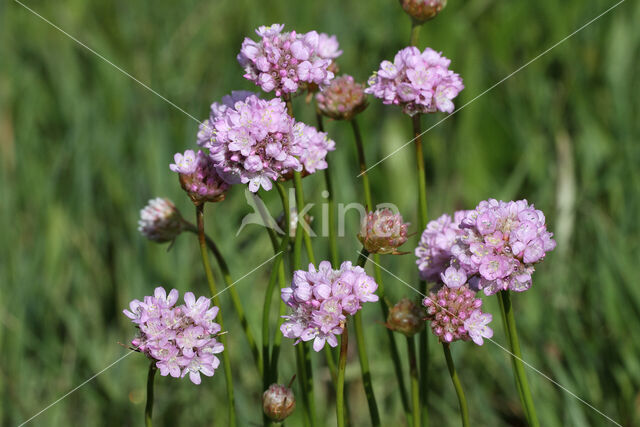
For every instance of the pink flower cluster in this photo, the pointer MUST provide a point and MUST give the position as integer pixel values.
(434, 250)
(321, 299)
(420, 82)
(502, 241)
(206, 129)
(283, 62)
(255, 142)
(342, 99)
(180, 338)
(198, 177)
(455, 314)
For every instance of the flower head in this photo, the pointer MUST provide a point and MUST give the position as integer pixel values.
(181, 339)
(198, 177)
(342, 99)
(160, 221)
(285, 61)
(434, 251)
(501, 242)
(423, 10)
(406, 317)
(382, 232)
(321, 299)
(278, 402)
(255, 142)
(451, 311)
(419, 82)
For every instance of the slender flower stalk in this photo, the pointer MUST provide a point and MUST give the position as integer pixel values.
(331, 217)
(216, 301)
(415, 381)
(342, 364)
(148, 409)
(235, 298)
(516, 358)
(362, 355)
(395, 354)
(464, 410)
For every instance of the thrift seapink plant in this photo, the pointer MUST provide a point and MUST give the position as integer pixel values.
(206, 128)
(321, 299)
(423, 10)
(255, 142)
(342, 99)
(278, 402)
(181, 339)
(455, 314)
(501, 243)
(382, 232)
(419, 82)
(283, 62)
(160, 221)
(198, 177)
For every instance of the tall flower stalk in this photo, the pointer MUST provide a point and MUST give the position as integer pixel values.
(148, 409)
(462, 401)
(331, 214)
(226, 362)
(342, 364)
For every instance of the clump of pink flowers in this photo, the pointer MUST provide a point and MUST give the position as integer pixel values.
(454, 314)
(181, 339)
(255, 142)
(419, 82)
(322, 299)
(198, 177)
(501, 243)
(285, 61)
(342, 99)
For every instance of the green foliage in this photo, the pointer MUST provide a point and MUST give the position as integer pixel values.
(83, 147)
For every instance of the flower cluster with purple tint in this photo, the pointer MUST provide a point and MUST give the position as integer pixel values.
(321, 299)
(419, 82)
(285, 61)
(256, 142)
(455, 314)
(181, 339)
(160, 221)
(342, 99)
(198, 176)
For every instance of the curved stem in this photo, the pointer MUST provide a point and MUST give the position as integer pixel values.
(464, 410)
(148, 409)
(216, 301)
(516, 358)
(342, 364)
(415, 382)
(235, 298)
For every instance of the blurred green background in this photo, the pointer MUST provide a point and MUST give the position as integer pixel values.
(83, 147)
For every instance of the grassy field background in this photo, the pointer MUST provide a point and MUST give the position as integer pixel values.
(83, 147)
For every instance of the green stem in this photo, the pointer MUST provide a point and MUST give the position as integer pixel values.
(216, 302)
(297, 184)
(415, 32)
(516, 358)
(342, 364)
(464, 410)
(415, 381)
(331, 216)
(235, 298)
(362, 354)
(395, 354)
(148, 409)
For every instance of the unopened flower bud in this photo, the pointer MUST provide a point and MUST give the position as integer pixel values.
(278, 402)
(198, 177)
(423, 10)
(160, 221)
(342, 99)
(406, 317)
(382, 232)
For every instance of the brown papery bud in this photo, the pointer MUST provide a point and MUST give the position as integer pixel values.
(278, 402)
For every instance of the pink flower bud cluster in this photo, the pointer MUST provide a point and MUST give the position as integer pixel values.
(342, 99)
(455, 314)
(321, 299)
(423, 10)
(198, 177)
(382, 232)
(501, 243)
(160, 221)
(181, 339)
(255, 142)
(419, 82)
(283, 62)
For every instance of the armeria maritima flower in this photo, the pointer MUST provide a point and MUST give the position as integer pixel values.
(255, 142)
(501, 243)
(285, 61)
(342, 99)
(419, 82)
(278, 402)
(206, 128)
(198, 177)
(321, 299)
(406, 317)
(181, 339)
(160, 221)
(423, 10)
(382, 232)
(454, 314)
